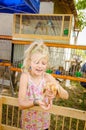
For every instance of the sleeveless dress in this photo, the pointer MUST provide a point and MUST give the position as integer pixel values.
(32, 119)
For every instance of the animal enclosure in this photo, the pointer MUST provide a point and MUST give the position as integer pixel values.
(56, 30)
(65, 60)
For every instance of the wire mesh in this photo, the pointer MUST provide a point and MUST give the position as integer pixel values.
(18, 55)
(64, 61)
(42, 25)
(5, 49)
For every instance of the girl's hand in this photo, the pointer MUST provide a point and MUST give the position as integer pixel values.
(43, 105)
(48, 106)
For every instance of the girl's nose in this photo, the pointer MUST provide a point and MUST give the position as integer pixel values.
(40, 65)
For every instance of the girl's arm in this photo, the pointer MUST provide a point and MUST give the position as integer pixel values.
(23, 101)
(61, 92)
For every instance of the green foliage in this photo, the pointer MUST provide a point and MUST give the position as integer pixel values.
(82, 53)
(82, 20)
(81, 6)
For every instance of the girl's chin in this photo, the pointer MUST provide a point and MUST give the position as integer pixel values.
(38, 73)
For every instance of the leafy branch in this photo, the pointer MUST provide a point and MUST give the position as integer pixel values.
(81, 6)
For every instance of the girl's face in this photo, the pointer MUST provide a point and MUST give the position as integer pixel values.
(38, 64)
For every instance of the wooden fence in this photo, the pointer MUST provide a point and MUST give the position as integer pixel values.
(62, 118)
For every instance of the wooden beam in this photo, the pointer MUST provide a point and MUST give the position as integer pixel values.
(5, 37)
(80, 79)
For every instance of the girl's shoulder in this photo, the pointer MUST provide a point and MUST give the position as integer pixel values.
(24, 75)
(49, 77)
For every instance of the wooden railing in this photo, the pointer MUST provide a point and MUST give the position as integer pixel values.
(62, 118)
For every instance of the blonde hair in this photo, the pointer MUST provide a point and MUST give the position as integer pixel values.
(37, 46)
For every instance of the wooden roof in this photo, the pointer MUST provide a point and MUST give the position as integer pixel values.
(65, 7)
(68, 6)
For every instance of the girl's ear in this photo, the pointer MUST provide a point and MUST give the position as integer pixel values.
(30, 68)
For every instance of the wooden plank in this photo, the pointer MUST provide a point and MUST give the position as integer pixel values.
(10, 100)
(31, 37)
(5, 127)
(46, 14)
(20, 24)
(61, 45)
(58, 45)
(69, 77)
(5, 37)
(15, 69)
(0, 111)
(65, 111)
(70, 26)
(56, 75)
(62, 26)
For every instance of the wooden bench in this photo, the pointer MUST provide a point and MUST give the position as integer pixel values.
(62, 118)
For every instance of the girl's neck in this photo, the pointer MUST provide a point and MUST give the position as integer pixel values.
(36, 79)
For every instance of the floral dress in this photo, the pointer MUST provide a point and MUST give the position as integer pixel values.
(32, 119)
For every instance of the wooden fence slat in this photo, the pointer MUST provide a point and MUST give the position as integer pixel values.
(0, 111)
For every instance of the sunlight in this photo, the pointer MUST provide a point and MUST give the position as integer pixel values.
(82, 37)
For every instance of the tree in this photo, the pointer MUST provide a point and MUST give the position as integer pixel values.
(81, 6)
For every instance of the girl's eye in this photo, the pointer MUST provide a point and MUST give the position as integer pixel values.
(44, 63)
(36, 62)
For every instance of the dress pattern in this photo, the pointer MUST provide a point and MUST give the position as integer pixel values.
(31, 119)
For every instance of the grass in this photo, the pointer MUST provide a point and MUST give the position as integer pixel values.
(75, 99)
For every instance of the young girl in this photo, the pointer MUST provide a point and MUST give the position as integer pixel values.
(32, 82)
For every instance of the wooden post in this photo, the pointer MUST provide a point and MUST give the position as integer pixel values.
(0, 111)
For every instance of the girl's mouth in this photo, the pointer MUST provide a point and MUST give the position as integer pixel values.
(38, 70)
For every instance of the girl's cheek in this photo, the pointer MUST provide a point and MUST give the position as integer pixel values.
(45, 66)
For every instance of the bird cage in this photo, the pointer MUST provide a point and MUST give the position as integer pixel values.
(54, 28)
